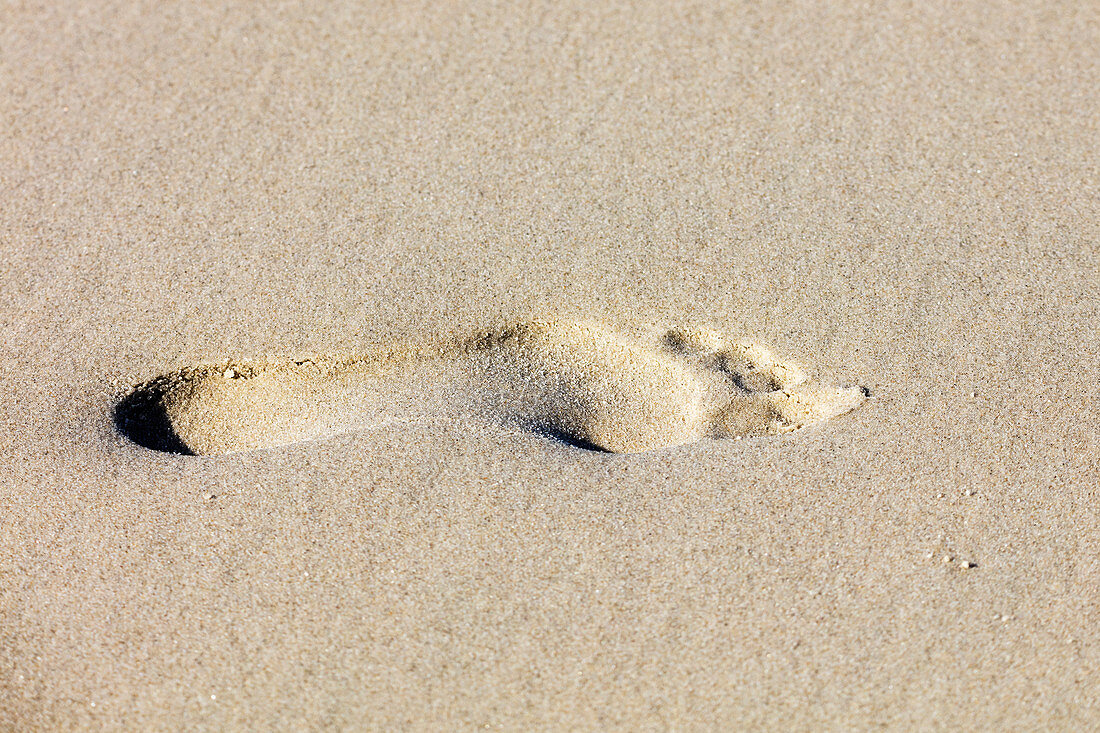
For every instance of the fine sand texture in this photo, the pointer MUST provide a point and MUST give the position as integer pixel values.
(432, 366)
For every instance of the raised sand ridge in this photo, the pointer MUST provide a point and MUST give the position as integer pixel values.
(577, 381)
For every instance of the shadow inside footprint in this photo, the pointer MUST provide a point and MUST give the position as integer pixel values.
(142, 417)
(563, 436)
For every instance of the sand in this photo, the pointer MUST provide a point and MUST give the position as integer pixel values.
(901, 197)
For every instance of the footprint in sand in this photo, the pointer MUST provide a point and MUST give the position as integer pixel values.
(578, 382)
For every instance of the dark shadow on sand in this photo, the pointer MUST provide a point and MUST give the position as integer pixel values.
(141, 417)
(570, 440)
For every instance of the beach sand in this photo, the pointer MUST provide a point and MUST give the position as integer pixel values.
(901, 197)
